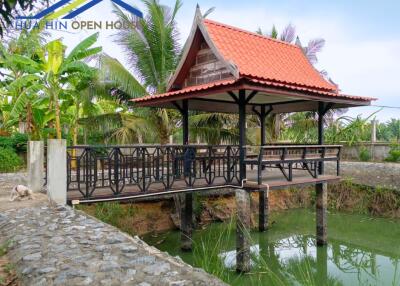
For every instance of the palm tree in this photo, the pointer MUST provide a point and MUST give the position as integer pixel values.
(152, 49)
(314, 46)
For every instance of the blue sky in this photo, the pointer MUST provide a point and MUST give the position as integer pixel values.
(362, 52)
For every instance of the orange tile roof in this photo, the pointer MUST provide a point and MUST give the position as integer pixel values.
(191, 89)
(260, 60)
(261, 57)
(186, 90)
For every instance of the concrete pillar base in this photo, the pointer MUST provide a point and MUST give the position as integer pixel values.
(57, 171)
(243, 231)
(263, 211)
(321, 204)
(186, 221)
(35, 165)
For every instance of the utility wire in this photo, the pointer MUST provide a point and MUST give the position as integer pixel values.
(384, 106)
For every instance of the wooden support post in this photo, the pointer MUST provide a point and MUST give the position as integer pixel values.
(321, 188)
(186, 222)
(185, 121)
(243, 231)
(186, 200)
(262, 123)
(242, 132)
(321, 204)
(263, 210)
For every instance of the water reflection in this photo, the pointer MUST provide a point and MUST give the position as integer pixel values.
(367, 253)
(299, 260)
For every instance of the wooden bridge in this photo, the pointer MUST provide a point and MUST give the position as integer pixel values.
(129, 172)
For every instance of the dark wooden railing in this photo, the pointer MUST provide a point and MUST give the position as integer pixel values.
(293, 157)
(116, 171)
(144, 169)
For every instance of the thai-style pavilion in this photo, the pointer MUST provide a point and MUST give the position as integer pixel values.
(230, 70)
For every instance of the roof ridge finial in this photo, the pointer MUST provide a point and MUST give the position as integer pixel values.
(198, 14)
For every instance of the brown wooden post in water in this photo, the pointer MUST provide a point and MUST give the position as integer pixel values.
(242, 231)
(263, 207)
(321, 204)
(186, 200)
(321, 188)
(263, 211)
(187, 222)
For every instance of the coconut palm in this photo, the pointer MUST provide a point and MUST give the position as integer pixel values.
(151, 46)
(314, 46)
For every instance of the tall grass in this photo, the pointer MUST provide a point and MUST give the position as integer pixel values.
(206, 253)
(266, 268)
(115, 214)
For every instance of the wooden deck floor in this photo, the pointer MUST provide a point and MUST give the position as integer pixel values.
(272, 179)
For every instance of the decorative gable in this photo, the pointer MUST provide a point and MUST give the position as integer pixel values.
(207, 68)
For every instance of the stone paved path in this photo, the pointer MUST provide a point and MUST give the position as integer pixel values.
(61, 246)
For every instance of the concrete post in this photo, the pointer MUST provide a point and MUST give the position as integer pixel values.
(321, 204)
(186, 221)
(243, 231)
(373, 131)
(35, 165)
(263, 211)
(57, 171)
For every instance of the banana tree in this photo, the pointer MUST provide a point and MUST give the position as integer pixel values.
(21, 77)
(59, 70)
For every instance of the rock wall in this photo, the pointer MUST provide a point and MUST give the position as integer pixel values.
(62, 246)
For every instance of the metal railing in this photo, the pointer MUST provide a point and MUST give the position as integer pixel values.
(116, 171)
(293, 157)
(96, 170)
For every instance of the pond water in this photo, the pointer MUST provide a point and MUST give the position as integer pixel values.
(361, 251)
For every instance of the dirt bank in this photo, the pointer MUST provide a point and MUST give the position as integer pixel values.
(146, 217)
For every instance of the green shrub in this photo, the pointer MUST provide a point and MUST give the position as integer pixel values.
(9, 160)
(17, 141)
(364, 154)
(20, 142)
(394, 156)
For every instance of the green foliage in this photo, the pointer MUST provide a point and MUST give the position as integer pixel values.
(198, 204)
(206, 252)
(16, 141)
(116, 214)
(8, 9)
(394, 153)
(364, 154)
(9, 160)
(109, 212)
(4, 247)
